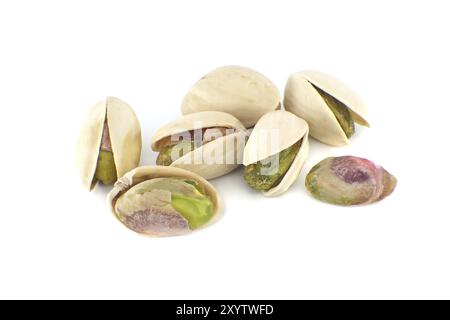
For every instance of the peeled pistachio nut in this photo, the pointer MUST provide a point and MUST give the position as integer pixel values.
(163, 201)
(328, 105)
(209, 143)
(275, 152)
(349, 181)
(109, 144)
(240, 91)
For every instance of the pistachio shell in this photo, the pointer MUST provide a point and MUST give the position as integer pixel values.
(349, 181)
(124, 134)
(157, 222)
(198, 120)
(302, 98)
(215, 158)
(212, 159)
(276, 131)
(240, 91)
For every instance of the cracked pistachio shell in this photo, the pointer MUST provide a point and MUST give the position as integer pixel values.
(276, 131)
(302, 97)
(124, 135)
(179, 202)
(349, 181)
(211, 159)
(240, 91)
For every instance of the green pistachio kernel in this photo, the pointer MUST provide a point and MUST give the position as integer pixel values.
(196, 211)
(106, 168)
(165, 155)
(254, 173)
(340, 111)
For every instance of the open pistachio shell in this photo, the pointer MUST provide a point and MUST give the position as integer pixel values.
(110, 142)
(349, 181)
(274, 134)
(210, 159)
(164, 201)
(327, 104)
(240, 91)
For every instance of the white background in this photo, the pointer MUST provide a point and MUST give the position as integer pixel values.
(57, 58)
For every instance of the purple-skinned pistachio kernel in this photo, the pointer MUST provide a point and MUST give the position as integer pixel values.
(156, 221)
(349, 181)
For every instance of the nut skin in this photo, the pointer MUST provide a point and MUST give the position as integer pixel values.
(257, 180)
(349, 181)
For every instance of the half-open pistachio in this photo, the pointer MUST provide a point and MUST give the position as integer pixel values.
(349, 181)
(209, 143)
(275, 152)
(109, 143)
(164, 201)
(328, 105)
(240, 91)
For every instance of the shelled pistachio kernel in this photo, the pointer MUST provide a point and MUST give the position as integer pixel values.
(349, 181)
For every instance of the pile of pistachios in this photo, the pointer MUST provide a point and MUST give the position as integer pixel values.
(231, 117)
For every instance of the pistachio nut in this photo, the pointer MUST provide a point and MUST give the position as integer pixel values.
(328, 105)
(209, 143)
(349, 181)
(240, 91)
(109, 144)
(163, 201)
(275, 152)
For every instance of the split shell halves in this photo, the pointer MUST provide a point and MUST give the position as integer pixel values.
(124, 134)
(211, 159)
(303, 99)
(274, 132)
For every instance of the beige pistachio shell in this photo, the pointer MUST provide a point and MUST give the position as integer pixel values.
(302, 99)
(212, 159)
(125, 136)
(144, 173)
(215, 158)
(88, 147)
(240, 91)
(274, 132)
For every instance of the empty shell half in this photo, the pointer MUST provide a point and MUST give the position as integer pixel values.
(349, 181)
(240, 91)
(163, 201)
(328, 105)
(209, 143)
(109, 144)
(275, 152)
